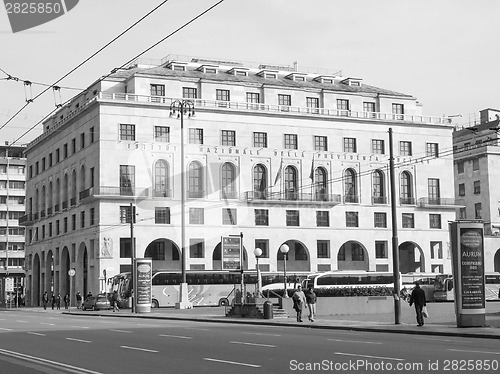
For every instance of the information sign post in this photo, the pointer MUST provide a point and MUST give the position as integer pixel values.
(467, 250)
(143, 269)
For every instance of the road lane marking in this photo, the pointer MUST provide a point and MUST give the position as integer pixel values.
(176, 336)
(260, 333)
(435, 339)
(121, 330)
(353, 341)
(80, 327)
(358, 355)
(232, 362)
(54, 364)
(79, 340)
(18, 320)
(195, 328)
(468, 351)
(255, 344)
(138, 349)
(3, 328)
(35, 333)
(46, 323)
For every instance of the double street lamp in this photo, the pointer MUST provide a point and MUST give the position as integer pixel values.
(284, 249)
(181, 108)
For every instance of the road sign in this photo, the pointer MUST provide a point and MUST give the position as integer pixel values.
(231, 252)
(71, 272)
(9, 284)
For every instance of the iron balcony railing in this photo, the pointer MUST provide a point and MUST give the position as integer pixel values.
(351, 199)
(407, 200)
(425, 202)
(105, 191)
(379, 200)
(164, 192)
(263, 196)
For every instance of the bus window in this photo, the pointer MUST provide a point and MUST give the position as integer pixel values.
(450, 284)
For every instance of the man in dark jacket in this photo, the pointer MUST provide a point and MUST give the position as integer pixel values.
(311, 303)
(417, 297)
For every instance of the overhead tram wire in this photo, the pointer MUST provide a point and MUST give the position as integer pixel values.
(84, 61)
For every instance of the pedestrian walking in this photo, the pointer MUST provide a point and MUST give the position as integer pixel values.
(311, 303)
(78, 300)
(58, 301)
(417, 297)
(299, 300)
(66, 301)
(53, 300)
(115, 302)
(45, 300)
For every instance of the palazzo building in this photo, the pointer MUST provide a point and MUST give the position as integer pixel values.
(274, 153)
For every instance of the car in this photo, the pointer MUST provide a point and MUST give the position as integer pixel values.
(96, 302)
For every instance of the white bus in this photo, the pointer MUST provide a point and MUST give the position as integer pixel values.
(350, 279)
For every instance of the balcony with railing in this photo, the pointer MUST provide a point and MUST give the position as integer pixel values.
(379, 200)
(194, 194)
(73, 201)
(407, 200)
(56, 208)
(164, 192)
(26, 220)
(114, 192)
(351, 199)
(291, 196)
(432, 203)
(49, 211)
(65, 204)
(229, 195)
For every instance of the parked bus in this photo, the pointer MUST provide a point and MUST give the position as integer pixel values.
(444, 287)
(353, 279)
(427, 282)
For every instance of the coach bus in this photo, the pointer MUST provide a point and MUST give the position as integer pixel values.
(349, 279)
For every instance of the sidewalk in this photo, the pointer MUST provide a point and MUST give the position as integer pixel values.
(441, 322)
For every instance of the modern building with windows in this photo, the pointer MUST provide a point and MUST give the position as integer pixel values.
(12, 191)
(477, 158)
(274, 153)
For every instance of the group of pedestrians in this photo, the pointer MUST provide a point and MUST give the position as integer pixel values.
(55, 301)
(301, 299)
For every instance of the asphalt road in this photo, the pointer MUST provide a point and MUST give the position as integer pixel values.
(39, 342)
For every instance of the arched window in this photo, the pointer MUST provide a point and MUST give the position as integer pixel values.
(406, 193)
(350, 187)
(259, 181)
(291, 184)
(228, 185)
(161, 188)
(320, 191)
(195, 182)
(378, 196)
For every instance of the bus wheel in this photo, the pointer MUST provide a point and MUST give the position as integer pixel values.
(154, 304)
(223, 302)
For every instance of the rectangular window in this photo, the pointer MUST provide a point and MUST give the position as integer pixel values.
(291, 141)
(92, 134)
(73, 222)
(263, 244)
(43, 163)
(357, 253)
(92, 217)
(380, 219)
(320, 143)
(432, 149)
(380, 249)
(189, 93)
(127, 180)
(253, 98)
(398, 110)
(73, 146)
(127, 132)
(369, 107)
(292, 218)
(196, 248)
(65, 151)
(284, 100)
(408, 221)
(228, 137)
(125, 248)
(65, 224)
(222, 95)
(460, 167)
(478, 211)
(343, 106)
(58, 155)
(195, 136)
(50, 160)
(434, 191)
(162, 134)
(162, 215)
(260, 139)
(58, 229)
(92, 177)
(437, 250)
(82, 140)
(125, 215)
(475, 164)
(350, 145)
(157, 90)
(229, 217)
(322, 218)
(261, 217)
(461, 189)
(462, 213)
(82, 219)
(323, 248)
(351, 219)
(378, 146)
(405, 148)
(312, 102)
(477, 187)
(196, 216)
(435, 221)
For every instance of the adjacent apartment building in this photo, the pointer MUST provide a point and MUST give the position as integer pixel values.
(274, 153)
(12, 191)
(477, 171)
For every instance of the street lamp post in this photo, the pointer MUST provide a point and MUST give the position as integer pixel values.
(284, 249)
(181, 107)
(258, 252)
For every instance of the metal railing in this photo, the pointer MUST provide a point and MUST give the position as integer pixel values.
(445, 202)
(291, 196)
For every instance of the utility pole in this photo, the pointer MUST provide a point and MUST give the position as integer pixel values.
(134, 272)
(395, 249)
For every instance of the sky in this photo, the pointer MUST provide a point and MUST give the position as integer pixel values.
(445, 53)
